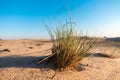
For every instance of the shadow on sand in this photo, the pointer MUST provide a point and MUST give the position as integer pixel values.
(30, 62)
(100, 55)
(22, 62)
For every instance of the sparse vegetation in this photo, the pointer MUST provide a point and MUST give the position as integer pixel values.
(5, 50)
(109, 49)
(31, 47)
(67, 49)
(110, 52)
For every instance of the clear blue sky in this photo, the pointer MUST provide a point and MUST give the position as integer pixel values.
(22, 18)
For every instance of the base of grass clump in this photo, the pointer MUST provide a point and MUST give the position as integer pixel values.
(69, 47)
(50, 62)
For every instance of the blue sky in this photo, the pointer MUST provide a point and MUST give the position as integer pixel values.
(22, 18)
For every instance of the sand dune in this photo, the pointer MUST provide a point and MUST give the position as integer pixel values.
(19, 63)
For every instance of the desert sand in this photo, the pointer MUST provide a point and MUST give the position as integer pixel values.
(18, 62)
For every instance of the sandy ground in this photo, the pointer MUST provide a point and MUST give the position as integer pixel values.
(19, 63)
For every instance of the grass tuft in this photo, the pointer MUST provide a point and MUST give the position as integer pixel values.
(69, 46)
(110, 52)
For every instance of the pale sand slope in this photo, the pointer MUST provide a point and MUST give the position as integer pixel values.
(19, 64)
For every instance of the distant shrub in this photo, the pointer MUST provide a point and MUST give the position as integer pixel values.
(85, 37)
(117, 39)
(110, 52)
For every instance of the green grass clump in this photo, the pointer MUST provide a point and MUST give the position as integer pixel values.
(69, 47)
